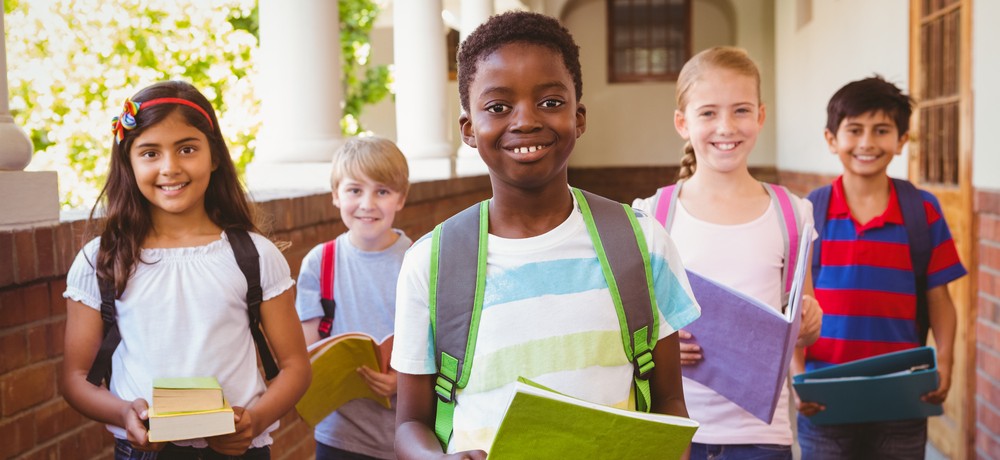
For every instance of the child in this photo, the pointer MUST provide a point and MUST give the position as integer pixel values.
(547, 314)
(369, 183)
(865, 275)
(181, 298)
(730, 232)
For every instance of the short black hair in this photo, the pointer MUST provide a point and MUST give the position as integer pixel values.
(872, 94)
(513, 27)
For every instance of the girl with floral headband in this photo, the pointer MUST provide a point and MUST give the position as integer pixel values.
(167, 266)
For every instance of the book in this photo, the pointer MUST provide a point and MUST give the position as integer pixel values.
(746, 344)
(881, 388)
(186, 394)
(542, 423)
(177, 426)
(335, 379)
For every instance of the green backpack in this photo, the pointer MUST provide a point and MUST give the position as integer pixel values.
(457, 303)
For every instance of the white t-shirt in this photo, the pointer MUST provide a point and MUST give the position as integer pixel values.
(184, 314)
(747, 257)
(547, 316)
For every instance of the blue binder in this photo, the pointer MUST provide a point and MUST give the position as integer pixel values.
(877, 389)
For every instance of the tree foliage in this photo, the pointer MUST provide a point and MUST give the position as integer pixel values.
(72, 63)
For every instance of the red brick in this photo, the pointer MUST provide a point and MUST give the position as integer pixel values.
(987, 446)
(66, 248)
(12, 312)
(988, 336)
(24, 255)
(989, 255)
(45, 251)
(93, 440)
(988, 362)
(989, 227)
(15, 351)
(987, 390)
(58, 302)
(36, 302)
(17, 435)
(984, 309)
(7, 262)
(69, 446)
(27, 387)
(988, 416)
(38, 343)
(49, 452)
(57, 337)
(989, 283)
(55, 418)
(987, 201)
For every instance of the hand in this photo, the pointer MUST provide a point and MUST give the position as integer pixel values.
(467, 455)
(690, 351)
(135, 413)
(238, 442)
(381, 384)
(808, 408)
(941, 393)
(812, 322)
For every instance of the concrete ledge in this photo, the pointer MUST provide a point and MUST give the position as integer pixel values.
(30, 198)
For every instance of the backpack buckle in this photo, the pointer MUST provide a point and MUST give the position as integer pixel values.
(325, 326)
(445, 389)
(643, 364)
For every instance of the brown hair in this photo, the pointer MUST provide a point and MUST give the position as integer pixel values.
(126, 210)
(719, 57)
(872, 94)
(373, 157)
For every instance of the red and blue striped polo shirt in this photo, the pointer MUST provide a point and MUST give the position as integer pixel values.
(866, 285)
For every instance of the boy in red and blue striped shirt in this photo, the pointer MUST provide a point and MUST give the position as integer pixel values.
(865, 279)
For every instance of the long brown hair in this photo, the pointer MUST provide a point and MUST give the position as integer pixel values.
(719, 57)
(126, 210)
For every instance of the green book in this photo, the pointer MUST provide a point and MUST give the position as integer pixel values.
(542, 423)
(186, 394)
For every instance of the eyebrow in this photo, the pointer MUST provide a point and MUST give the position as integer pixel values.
(542, 87)
(154, 144)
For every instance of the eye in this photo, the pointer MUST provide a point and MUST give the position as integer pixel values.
(854, 131)
(354, 190)
(743, 110)
(551, 103)
(496, 108)
(188, 150)
(882, 131)
(148, 154)
(707, 114)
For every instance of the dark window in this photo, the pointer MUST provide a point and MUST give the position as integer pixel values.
(648, 40)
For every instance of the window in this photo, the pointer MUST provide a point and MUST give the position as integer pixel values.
(648, 40)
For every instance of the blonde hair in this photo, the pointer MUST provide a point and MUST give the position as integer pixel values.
(373, 157)
(719, 57)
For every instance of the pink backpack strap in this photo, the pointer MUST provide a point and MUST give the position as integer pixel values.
(789, 232)
(666, 198)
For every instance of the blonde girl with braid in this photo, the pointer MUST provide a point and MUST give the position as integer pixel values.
(727, 230)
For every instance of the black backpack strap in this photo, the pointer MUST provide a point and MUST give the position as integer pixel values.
(248, 259)
(100, 369)
(911, 204)
(820, 199)
(328, 264)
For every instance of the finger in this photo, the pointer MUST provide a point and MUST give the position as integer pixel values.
(682, 334)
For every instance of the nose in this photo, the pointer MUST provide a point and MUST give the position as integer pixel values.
(169, 164)
(524, 120)
(367, 201)
(867, 140)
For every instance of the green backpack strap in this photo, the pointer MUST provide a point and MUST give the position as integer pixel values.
(625, 264)
(454, 324)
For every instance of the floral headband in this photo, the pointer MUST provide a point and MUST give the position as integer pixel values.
(126, 121)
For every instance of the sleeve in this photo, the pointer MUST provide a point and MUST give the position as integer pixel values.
(413, 346)
(945, 265)
(81, 281)
(807, 224)
(307, 294)
(645, 205)
(674, 298)
(275, 276)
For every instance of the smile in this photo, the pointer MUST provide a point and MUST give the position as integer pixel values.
(725, 146)
(173, 187)
(529, 149)
(866, 157)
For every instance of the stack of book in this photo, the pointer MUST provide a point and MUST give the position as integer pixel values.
(188, 408)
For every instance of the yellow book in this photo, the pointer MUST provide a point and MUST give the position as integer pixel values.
(335, 379)
(190, 425)
(186, 394)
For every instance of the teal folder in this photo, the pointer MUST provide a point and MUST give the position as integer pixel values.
(877, 389)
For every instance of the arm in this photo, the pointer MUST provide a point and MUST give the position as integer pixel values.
(84, 333)
(665, 385)
(310, 329)
(943, 322)
(415, 410)
(281, 327)
(798, 366)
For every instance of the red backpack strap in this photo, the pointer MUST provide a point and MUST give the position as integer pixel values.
(789, 233)
(327, 264)
(666, 199)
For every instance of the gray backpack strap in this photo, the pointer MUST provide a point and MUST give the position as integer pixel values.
(455, 307)
(624, 259)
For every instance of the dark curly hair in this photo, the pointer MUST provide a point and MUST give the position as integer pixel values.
(872, 94)
(513, 27)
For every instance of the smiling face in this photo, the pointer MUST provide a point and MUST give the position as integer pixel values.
(523, 115)
(368, 209)
(866, 143)
(722, 118)
(172, 163)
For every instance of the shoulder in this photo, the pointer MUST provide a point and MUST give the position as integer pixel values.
(268, 251)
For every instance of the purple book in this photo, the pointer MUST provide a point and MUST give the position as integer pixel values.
(746, 344)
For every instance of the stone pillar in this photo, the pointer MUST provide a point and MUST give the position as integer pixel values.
(474, 13)
(421, 75)
(301, 95)
(28, 198)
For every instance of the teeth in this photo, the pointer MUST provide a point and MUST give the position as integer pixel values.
(171, 188)
(533, 148)
(726, 146)
(866, 157)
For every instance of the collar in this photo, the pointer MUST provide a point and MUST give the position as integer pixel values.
(839, 208)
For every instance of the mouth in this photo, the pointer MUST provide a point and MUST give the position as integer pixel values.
(366, 219)
(866, 158)
(726, 146)
(529, 152)
(172, 187)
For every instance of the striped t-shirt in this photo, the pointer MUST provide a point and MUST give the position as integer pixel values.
(866, 284)
(547, 316)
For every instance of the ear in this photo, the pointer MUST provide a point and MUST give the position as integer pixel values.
(581, 119)
(831, 141)
(762, 115)
(902, 142)
(465, 127)
(336, 199)
(680, 124)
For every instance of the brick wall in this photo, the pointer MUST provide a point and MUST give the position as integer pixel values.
(987, 208)
(36, 423)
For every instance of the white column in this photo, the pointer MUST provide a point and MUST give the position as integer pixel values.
(29, 198)
(474, 13)
(301, 95)
(421, 75)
